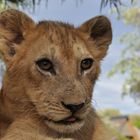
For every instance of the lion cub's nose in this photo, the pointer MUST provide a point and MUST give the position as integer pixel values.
(73, 107)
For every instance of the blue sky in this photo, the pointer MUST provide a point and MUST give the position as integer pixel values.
(107, 93)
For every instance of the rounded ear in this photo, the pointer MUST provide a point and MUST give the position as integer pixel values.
(100, 31)
(14, 27)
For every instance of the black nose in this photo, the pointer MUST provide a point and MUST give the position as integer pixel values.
(73, 107)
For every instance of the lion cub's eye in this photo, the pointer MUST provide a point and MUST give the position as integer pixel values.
(45, 64)
(86, 64)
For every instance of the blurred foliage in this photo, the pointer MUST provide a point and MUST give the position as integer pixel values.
(16, 4)
(119, 136)
(129, 63)
(113, 3)
(108, 113)
(135, 120)
(5, 4)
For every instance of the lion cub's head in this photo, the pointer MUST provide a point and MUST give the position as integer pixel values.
(52, 66)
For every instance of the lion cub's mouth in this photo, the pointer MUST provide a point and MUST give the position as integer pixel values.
(67, 121)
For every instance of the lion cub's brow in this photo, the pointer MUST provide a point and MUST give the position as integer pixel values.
(63, 40)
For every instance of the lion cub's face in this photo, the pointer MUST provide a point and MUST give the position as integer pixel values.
(54, 66)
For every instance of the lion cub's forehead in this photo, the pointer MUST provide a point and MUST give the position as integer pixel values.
(60, 39)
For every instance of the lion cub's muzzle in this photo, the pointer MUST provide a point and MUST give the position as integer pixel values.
(73, 108)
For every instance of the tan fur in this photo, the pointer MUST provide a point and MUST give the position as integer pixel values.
(30, 94)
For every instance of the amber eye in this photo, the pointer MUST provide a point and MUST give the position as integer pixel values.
(44, 64)
(86, 64)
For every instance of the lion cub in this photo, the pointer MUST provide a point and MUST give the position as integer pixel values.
(51, 69)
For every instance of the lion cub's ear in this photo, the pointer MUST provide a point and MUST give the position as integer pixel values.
(100, 31)
(14, 27)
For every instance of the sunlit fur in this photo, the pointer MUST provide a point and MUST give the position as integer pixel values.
(31, 98)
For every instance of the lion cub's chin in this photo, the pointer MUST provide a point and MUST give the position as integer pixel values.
(65, 128)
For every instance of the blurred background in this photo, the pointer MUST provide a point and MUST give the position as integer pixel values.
(117, 92)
